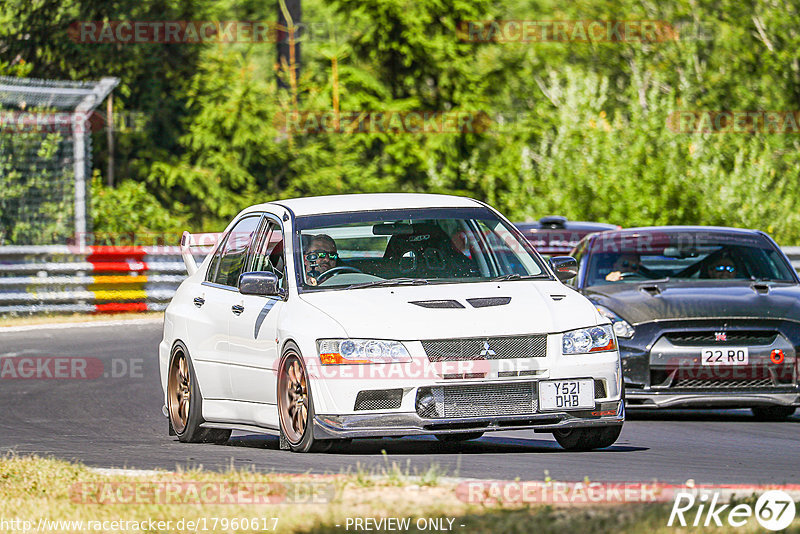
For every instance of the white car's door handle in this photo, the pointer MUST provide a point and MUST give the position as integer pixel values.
(237, 309)
(199, 301)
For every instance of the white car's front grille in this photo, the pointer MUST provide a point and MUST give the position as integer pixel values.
(486, 348)
(479, 400)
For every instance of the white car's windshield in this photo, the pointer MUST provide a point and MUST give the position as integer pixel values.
(421, 246)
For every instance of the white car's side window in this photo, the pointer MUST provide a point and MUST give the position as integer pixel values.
(230, 260)
(268, 253)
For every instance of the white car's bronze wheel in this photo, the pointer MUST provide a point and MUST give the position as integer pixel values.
(294, 392)
(296, 406)
(180, 392)
(185, 403)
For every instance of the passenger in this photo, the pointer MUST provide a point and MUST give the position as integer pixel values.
(320, 256)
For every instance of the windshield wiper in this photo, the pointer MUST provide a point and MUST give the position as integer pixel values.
(517, 276)
(391, 282)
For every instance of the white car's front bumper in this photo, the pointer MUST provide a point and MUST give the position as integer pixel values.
(495, 401)
(409, 424)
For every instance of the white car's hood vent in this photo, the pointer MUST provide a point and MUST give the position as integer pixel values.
(453, 304)
(490, 301)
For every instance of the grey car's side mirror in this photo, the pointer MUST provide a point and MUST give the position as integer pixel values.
(260, 283)
(565, 267)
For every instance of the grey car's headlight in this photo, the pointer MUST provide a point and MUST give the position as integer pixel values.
(344, 351)
(585, 340)
(621, 327)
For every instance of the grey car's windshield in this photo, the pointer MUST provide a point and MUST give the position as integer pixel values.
(411, 247)
(684, 256)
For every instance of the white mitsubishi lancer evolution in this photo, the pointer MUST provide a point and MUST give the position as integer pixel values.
(362, 316)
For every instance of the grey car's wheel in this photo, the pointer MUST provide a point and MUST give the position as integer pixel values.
(462, 436)
(772, 413)
(296, 406)
(586, 439)
(184, 402)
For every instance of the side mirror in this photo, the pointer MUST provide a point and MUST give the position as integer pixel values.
(260, 283)
(565, 267)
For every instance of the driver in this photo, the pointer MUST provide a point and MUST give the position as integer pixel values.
(722, 268)
(320, 256)
(625, 263)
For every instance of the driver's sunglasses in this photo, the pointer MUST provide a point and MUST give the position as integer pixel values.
(314, 256)
(631, 264)
(722, 268)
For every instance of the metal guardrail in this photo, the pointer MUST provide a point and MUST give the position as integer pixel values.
(50, 279)
(793, 253)
(84, 279)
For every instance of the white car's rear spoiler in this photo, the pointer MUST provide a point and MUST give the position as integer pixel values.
(188, 241)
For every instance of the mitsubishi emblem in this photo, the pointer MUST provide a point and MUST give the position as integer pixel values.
(487, 351)
(720, 336)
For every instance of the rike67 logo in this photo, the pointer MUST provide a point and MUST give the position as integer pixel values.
(774, 510)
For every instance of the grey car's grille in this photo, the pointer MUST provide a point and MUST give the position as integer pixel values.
(379, 399)
(491, 348)
(722, 384)
(479, 400)
(722, 338)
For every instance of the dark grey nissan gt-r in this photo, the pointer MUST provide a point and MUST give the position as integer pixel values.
(704, 316)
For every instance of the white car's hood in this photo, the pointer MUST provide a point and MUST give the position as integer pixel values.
(387, 312)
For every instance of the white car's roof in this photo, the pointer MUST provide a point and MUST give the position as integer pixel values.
(373, 201)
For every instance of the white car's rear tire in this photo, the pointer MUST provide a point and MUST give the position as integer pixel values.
(184, 402)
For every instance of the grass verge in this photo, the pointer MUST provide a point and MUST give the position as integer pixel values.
(44, 491)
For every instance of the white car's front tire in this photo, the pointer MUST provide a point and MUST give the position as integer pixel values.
(587, 439)
(295, 404)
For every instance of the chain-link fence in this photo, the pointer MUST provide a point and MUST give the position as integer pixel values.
(45, 159)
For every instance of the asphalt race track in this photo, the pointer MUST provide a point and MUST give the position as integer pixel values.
(113, 421)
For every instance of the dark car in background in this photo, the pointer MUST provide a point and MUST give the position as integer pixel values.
(554, 234)
(705, 316)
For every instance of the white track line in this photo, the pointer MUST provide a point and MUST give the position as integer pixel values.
(88, 324)
(128, 472)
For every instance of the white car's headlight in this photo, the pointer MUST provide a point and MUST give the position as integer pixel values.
(344, 351)
(585, 340)
(621, 327)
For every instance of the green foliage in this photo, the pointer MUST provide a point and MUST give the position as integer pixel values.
(129, 214)
(579, 129)
(35, 192)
